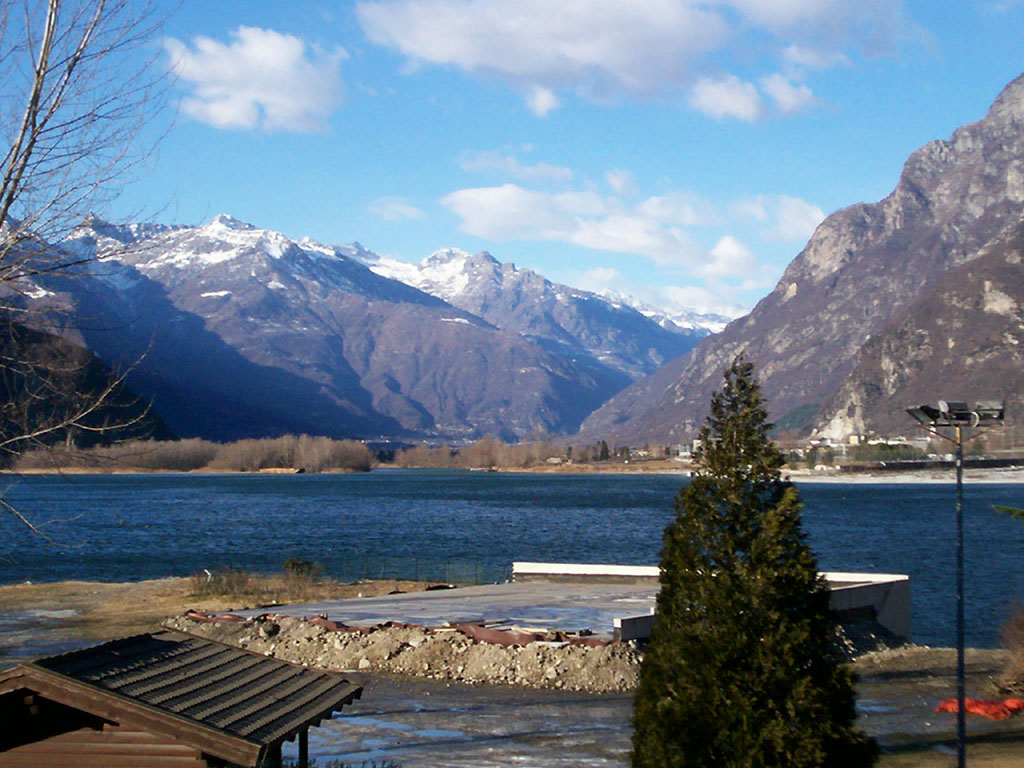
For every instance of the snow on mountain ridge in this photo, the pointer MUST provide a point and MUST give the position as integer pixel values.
(684, 319)
(450, 274)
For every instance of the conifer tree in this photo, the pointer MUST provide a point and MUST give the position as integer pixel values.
(740, 670)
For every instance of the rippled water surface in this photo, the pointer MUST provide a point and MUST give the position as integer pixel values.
(471, 525)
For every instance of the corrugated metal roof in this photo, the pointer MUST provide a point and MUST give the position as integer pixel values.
(258, 699)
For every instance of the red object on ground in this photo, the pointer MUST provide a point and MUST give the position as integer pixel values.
(1014, 705)
(993, 710)
(208, 618)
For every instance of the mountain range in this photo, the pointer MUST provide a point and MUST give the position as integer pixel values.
(234, 331)
(915, 298)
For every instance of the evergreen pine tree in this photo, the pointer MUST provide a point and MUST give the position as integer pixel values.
(740, 670)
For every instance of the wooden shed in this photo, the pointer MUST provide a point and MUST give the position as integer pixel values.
(166, 699)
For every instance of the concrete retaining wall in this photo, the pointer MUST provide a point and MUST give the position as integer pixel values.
(884, 597)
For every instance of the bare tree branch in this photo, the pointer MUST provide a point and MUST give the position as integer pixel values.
(79, 88)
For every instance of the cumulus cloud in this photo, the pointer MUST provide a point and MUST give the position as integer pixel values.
(651, 228)
(692, 298)
(394, 209)
(874, 26)
(796, 219)
(606, 50)
(590, 47)
(787, 219)
(788, 96)
(541, 100)
(678, 209)
(727, 96)
(621, 181)
(489, 161)
(261, 79)
(813, 58)
(730, 257)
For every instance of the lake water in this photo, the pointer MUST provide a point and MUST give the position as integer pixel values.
(468, 526)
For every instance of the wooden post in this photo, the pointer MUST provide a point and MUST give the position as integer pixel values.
(304, 748)
(274, 756)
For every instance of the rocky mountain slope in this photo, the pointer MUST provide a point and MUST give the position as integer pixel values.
(235, 331)
(965, 340)
(864, 267)
(566, 320)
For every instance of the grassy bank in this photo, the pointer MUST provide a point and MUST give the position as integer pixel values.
(97, 611)
(300, 453)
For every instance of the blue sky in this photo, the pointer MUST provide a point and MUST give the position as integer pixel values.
(680, 151)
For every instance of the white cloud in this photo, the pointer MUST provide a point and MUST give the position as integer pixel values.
(610, 49)
(751, 208)
(599, 279)
(788, 219)
(788, 96)
(874, 26)
(541, 100)
(731, 258)
(678, 209)
(652, 228)
(692, 298)
(261, 79)
(394, 209)
(796, 219)
(594, 49)
(813, 58)
(727, 96)
(485, 161)
(621, 181)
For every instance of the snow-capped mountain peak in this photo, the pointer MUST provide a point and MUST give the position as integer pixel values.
(224, 221)
(446, 256)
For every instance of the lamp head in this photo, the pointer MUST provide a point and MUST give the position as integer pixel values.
(926, 414)
(951, 413)
(990, 410)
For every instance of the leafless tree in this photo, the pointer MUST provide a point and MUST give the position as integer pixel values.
(79, 87)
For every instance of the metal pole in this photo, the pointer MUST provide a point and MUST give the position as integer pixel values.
(961, 715)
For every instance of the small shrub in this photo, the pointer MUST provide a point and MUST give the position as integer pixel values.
(221, 581)
(299, 570)
(1013, 642)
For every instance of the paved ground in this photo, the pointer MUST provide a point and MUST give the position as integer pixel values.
(560, 606)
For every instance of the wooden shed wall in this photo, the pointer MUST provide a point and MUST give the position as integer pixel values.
(112, 747)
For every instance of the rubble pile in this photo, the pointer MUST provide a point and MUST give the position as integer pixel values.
(456, 654)
(445, 653)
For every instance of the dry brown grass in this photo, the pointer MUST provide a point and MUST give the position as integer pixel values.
(1013, 642)
(104, 611)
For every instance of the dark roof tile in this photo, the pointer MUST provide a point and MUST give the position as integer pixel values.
(256, 698)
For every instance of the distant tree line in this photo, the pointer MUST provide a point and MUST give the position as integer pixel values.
(316, 454)
(305, 453)
(491, 452)
(482, 454)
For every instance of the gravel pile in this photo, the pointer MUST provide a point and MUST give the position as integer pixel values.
(443, 654)
(449, 654)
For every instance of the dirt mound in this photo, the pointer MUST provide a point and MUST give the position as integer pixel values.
(447, 653)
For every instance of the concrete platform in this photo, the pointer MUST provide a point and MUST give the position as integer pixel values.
(608, 601)
(536, 605)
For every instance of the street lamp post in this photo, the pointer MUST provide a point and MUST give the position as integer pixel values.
(956, 415)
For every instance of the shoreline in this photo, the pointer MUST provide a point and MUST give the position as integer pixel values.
(997, 476)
